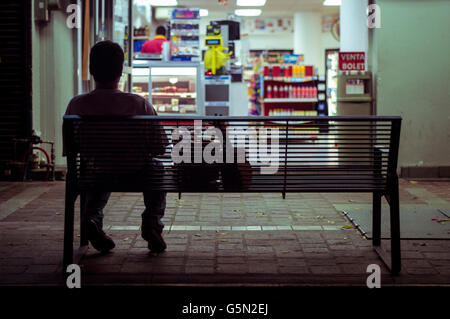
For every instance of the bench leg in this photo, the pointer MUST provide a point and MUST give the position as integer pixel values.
(376, 219)
(395, 229)
(68, 227)
(392, 261)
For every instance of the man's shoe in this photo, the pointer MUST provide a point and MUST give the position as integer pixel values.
(156, 243)
(98, 238)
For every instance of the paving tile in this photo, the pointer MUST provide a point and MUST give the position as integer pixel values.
(216, 234)
(232, 268)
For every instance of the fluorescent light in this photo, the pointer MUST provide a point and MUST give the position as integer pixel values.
(204, 12)
(250, 3)
(163, 3)
(247, 12)
(332, 2)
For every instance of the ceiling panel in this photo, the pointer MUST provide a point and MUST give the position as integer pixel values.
(272, 8)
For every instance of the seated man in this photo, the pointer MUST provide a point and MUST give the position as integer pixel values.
(106, 64)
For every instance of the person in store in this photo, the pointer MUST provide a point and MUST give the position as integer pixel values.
(106, 64)
(155, 46)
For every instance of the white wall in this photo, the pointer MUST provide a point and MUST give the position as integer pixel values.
(272, 41)
(413, 68)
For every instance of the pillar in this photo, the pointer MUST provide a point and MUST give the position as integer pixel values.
(353, 26)
(307, 39)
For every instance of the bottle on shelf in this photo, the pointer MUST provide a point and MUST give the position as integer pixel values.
(269, 92)
(290, 92)
(275, 91)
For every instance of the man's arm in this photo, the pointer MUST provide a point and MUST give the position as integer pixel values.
(68, 112)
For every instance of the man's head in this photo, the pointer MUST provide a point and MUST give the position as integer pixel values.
(106, 62)
(160, 30)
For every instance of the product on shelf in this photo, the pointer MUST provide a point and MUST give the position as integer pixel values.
(184, 34)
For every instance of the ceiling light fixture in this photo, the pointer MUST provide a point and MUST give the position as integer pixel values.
(163, 3)
(332, 2)
(247, 12)
(250, 3)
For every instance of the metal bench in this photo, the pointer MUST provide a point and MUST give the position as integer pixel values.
(234, 154)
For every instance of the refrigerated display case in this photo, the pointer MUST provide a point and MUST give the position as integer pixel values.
(173, 88)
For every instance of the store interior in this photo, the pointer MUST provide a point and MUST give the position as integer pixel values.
(260, 49)
(284, 61)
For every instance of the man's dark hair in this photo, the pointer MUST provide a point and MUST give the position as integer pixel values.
(106, 61)
(160, 30)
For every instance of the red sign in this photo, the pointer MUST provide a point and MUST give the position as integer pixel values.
(352, 61)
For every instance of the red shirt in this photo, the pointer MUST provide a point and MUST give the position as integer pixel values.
(154, 46)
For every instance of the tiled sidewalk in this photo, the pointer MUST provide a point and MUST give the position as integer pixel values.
(226, 239)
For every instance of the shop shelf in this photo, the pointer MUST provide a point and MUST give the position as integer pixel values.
(289, 100)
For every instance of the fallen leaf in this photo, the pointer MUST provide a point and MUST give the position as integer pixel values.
(414, 182)
(223, 240)
(331, 222)
(285, 251)
(58, 213)
(126, 239)
(351, 200)
(319, 217)
(197, 235)
(347, 227)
